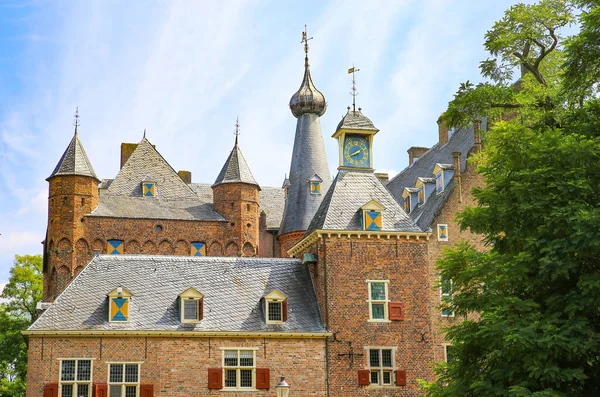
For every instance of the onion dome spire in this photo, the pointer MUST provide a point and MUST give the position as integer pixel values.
(307, 99)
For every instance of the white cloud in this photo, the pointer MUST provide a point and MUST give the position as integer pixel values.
(11, 242)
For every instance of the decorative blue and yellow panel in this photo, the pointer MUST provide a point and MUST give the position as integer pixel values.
(442, 232)
(119, 309)
(439, 182)
(407, 204)
(372, 220)
(198, 249)
(315, 187)
(149, 189)
(114, 247)
(421, 195)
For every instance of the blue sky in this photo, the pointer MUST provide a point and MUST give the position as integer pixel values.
(184, 70)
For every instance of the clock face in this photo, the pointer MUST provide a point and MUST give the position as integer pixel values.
(356, 151)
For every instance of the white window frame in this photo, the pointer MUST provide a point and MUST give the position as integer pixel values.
(439, 182)
(274, 296)
(123, 384)
(75, 382)
(380, 369)
(239, 368)
(443, 295)
(268, 310)
(446, 346)
(182, 306)
(386, 315)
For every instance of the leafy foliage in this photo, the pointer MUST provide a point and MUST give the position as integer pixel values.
(530, 303)
(21, 294)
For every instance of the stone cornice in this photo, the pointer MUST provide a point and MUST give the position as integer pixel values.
(175, 334)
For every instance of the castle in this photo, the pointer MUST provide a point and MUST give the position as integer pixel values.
(157, 286)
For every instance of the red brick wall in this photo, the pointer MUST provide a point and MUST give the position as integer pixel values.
(179, 366)
(340, 280)
(287, 241)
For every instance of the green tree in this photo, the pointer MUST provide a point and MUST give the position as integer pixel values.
(20, 295)
(535, 291)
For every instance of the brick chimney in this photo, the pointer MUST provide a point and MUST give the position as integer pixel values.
(384, 177)
(185, 176)
(127, 150)
(477, 135)
(415, 152)
(443, 130)
(457, 175)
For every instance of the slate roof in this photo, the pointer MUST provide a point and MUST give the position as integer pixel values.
(423, 215)
(355, 120)
(308, 158)
(350, 190)
(74, 161)
(145, 163)
(235, 169)
(232, 289)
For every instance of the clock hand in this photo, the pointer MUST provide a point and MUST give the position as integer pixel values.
(357, 152)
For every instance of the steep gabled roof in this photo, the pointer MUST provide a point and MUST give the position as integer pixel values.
(145, 163)
(232, 290)
(74, 161)
(340, 209)
(235, 169)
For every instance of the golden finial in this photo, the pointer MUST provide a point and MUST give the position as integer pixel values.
(237, 129)
(354, 92)
(76, 121)
(305, 39)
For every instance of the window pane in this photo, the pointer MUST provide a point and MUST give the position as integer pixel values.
(378, 291)
(231, 358)
(246, 358)
(68, 370)
(67, 391)
(386, 358)
(378, 312)
(130, 391)
(246, 378)
(449, 356)
(387, 378)
(83, 390)
(230, 378)
(84, 368)
(375, 377)
(446, 286)
(131, 373)
(115, 391)
(116, 373)
(274, 311)
(373, 358)
(190, 309)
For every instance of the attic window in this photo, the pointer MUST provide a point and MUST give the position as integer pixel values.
(276, 307)
(114, 247)
(372, 215)
(315, 184)
(191, 306)
(149, 189)
(407, 204)
(118, 301)
(198, 248)
(421, 195)
(439, 182)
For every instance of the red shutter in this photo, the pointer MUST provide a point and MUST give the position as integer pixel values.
(400, 378)
(51, 390)
(262, 378)
(284, 309)
(364, 376)
(215, 378)
(396, 311)
(201, 309)
(146, 390)
(100, 390)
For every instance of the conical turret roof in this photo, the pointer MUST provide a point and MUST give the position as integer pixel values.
(235, 169)
(74, 161)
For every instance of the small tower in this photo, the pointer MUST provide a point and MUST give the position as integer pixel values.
(73, 193)
(235, 197)
(308, 159)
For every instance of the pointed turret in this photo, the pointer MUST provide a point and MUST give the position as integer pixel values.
(235, 169)
(308, 159)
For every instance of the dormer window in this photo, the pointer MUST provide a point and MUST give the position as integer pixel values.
(198, 248)
(421, 195)
(118, 305)
(443, 174)
(372, 215)
(315, 184)
(276, 307)
(407, 204)
(114, 247)
(439, 182)
(149, 189)
(191, 306)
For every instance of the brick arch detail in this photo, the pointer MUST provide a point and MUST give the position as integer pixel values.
(82, 252)
(63, 278)
(181, 248)
(149, 247)
(232, 249)
(78, 270)
(165, 248)
(99, 245)
(215, 249)
(133, 247)
(248, 249)
(64, 244)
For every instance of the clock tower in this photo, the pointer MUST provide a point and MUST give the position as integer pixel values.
(355, 134)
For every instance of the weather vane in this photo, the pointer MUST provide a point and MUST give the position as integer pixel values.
(354, 92)
(305, 39)
(237, 129)
(76, 122)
